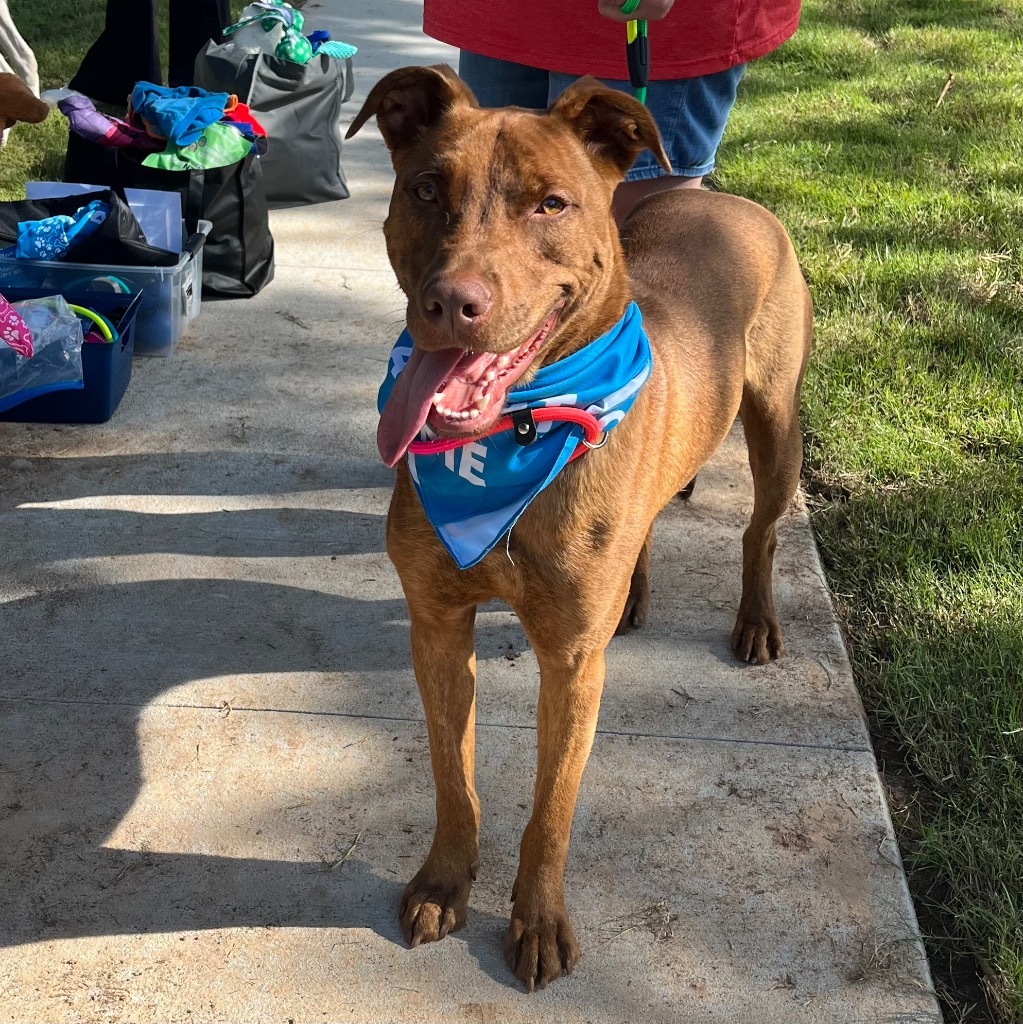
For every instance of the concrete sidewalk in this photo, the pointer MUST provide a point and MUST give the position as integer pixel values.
(214, 778)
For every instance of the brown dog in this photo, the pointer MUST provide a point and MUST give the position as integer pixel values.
(17, 103)
(501, 236)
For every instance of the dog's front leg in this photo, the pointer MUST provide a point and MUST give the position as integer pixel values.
(540, 945)
(444, 658)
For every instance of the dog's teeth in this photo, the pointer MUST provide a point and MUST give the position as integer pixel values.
(463, 415)
(482, 403)
(438, 398)
(503, 361)
(474, 414)
(490, 375)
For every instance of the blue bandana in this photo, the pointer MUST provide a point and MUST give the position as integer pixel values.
(474, 494)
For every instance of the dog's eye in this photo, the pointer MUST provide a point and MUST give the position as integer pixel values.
(551, 206)
(425, 191)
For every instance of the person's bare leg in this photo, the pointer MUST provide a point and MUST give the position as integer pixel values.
(629, 193)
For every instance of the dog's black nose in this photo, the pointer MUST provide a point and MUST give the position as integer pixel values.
(463, 302)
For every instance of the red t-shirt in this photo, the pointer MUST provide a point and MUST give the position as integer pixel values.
(570, 36)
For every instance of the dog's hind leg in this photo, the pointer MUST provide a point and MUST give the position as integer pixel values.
(775, 458)
(770, 419)
(637, 604)
(434, 903)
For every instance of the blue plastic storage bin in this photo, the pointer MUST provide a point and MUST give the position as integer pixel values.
(106, 369)
(171, 296)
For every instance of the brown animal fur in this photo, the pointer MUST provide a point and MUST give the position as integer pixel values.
(729, 319)
(18, 104)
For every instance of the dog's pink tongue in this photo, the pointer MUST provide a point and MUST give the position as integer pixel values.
(409, 403)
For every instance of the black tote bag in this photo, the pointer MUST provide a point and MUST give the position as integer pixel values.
(299, 106)
(238, 259)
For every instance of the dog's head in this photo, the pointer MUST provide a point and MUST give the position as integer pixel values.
(501, 236)
(17, 103)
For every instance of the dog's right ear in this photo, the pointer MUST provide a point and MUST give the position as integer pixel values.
(408, 101)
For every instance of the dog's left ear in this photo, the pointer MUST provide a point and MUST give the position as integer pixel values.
(408, 101)
(613, 126)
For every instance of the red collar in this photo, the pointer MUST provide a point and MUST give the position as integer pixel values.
(524, 424)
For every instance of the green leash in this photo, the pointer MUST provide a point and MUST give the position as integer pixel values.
(637, 51)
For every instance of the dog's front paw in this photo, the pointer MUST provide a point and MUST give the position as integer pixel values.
(757, 638)
(540, 945)
(431, 908)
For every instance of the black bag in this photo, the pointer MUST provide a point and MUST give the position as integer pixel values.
(238, 258)
(118, 240)
(299, 106)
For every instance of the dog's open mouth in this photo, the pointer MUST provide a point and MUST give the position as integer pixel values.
(454, 391)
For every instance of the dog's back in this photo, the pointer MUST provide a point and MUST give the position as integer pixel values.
(705, 263)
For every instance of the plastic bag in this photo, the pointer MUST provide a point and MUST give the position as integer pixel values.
(56, 362)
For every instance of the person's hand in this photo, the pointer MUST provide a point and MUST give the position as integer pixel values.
(648, 10)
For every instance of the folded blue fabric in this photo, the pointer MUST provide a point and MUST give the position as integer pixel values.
(54, 237)
(178, 115)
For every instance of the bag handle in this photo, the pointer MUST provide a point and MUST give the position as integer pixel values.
(193, 197)
(349, 80)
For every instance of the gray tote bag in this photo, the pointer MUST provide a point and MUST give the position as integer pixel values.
(299, 105)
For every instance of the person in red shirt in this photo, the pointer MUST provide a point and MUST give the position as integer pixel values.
(526, 52)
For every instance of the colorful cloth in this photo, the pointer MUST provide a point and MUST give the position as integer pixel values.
(14, 331)
(85, 120)
(474, 495)
(53, 237)
(338, 50)
(293, 46)
(218, 146)
(322, 43)
(240, 115)
(56, 362)
(178, 115)
(278, 10)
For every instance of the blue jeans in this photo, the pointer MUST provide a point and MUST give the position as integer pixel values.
(691, 113)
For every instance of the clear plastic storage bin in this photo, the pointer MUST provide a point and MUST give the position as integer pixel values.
(171, 296)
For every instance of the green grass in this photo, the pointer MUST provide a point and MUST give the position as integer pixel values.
(907, 219)
(906, 216)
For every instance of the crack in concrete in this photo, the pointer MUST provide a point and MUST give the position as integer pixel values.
(235, 709)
